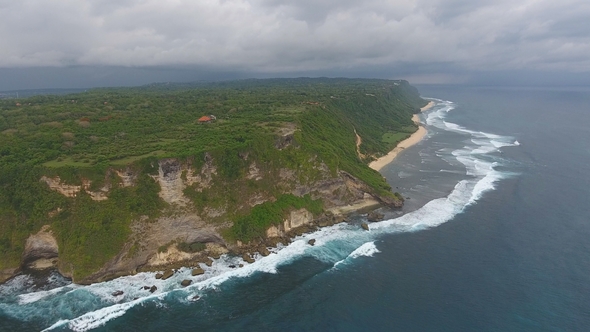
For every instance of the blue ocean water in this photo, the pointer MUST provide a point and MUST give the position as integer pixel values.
(494, 236)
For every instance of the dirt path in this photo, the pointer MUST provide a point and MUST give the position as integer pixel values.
(359, 141)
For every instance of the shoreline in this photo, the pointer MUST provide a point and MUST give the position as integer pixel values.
(415, 138)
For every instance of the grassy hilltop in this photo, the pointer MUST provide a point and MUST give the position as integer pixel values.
(87, 139)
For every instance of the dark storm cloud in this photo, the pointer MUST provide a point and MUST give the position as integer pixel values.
(433, 40)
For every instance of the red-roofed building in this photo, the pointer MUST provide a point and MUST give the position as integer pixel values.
(205, 119)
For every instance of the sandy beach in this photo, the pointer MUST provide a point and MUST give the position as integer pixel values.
(413, 139)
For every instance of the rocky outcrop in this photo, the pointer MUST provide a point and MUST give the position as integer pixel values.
(285, 136)
(254, 172)
(197, 271)
(170, 180)
(64, 189)
(6, 274)
(296, 219)
(128, 177)
(41, 250)
(73, 190)
(174, 176)
(375, 216)
(167, 274)
(247, 258)
(148, 237)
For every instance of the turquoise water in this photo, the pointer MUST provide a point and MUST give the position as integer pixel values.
(494, 236)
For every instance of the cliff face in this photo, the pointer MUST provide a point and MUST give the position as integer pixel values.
(41, 250)
(155, 244)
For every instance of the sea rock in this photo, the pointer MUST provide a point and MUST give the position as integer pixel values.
(117, 293)
(186, 282)
(264, 251)
(208, 261)
(167, 274)
(324, 221)
(197, 271)
(311, 242)
(365, 226)
(153, 289)
(339, 219)
(241, 265)
(159, 275)
(375, 216)
(247, 258)
(145, 287)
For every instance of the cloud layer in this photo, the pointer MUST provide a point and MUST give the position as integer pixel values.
(434, 37)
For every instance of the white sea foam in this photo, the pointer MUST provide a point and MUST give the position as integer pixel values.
(368, 249)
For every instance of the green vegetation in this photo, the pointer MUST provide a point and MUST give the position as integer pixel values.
(191, 247)
(255, 224)
(85, 138)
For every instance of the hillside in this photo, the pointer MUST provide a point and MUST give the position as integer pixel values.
(113, 181)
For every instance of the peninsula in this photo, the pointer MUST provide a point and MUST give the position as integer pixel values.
(114, 181)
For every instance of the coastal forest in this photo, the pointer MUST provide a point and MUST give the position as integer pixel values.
(67, 160)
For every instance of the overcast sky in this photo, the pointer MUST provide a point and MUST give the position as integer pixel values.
(73, 43)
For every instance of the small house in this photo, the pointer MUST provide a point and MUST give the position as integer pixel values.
(205, 119)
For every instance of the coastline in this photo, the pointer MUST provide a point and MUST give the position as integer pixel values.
(340, 212)
(416, 137)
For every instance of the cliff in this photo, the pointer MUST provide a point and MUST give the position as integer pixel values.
(254, 177)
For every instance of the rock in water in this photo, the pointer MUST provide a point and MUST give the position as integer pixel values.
(375, 216)
(117, 293)
(246, 257)
(311, 242)
(365, 226)
(186, 282)
(153, 289)
(208, 261)
(264, 251)
(167, 274)
(159, 275)
(339, 219)
(197, 271)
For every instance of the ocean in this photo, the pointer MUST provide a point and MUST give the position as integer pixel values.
(494, 236)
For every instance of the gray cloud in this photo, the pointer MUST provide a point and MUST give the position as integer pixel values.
(441, 39)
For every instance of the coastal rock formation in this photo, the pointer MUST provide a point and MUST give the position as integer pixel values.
(64, 189)
(174, 176)
(73, 190)
(375, 216)
(167, 274)
(41, 250)
(171, 183)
